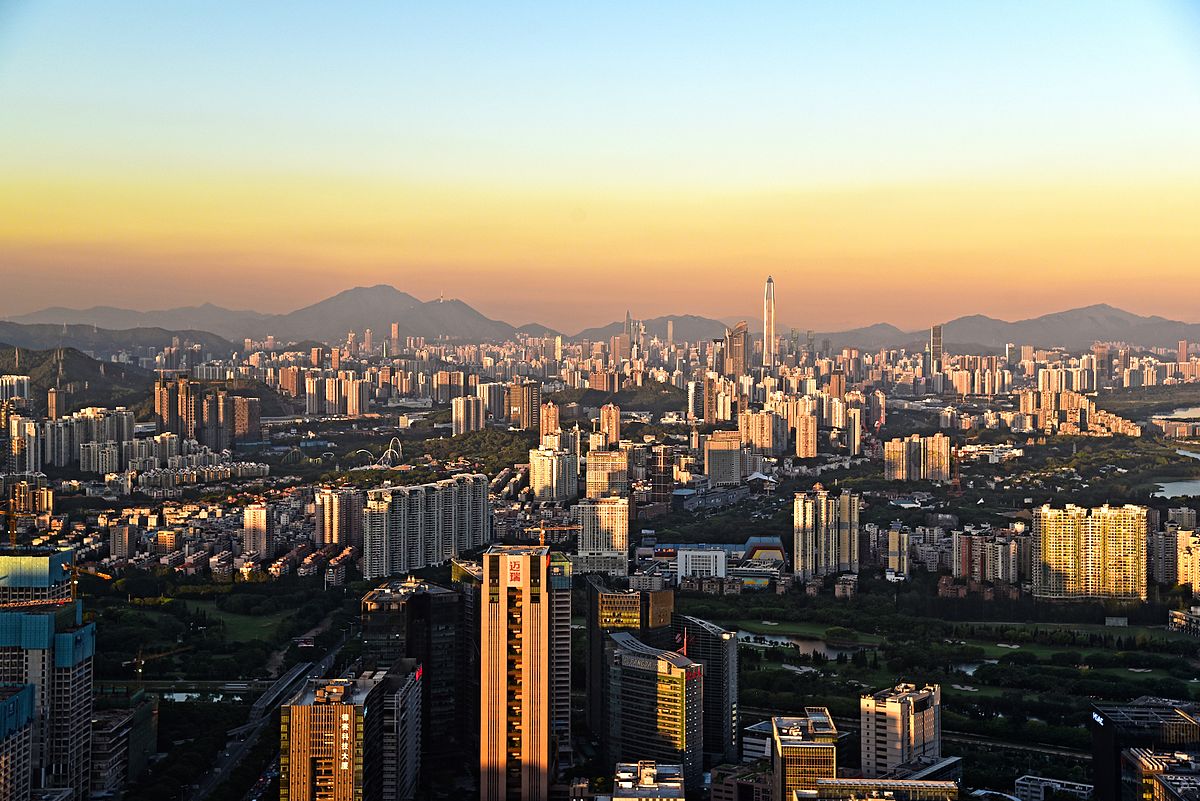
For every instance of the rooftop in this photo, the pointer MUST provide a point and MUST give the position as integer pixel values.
(627, 642)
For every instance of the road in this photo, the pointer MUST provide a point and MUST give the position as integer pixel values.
(243, 737)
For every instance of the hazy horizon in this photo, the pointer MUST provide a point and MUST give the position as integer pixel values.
(615, 315)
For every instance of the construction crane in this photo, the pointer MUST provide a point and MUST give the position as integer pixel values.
(10, 521)
(140, 661)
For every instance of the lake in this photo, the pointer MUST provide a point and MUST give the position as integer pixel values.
(1180, 489)
(1182, 413)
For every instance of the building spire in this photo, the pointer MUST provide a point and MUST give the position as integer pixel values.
(769, 357)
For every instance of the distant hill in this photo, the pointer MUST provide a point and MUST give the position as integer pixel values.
(1075, 328)
(228, 323)
(688, 328)
(375, 307)
(85, 381)
(378, 307)
(104, 342)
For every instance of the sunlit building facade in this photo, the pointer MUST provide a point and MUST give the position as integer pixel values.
(1089, 553)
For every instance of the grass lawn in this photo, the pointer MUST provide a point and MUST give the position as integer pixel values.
(784, 629)
(1153, 632)
(242, 628)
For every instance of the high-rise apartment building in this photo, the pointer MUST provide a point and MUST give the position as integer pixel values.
(607, 473)
(548, 421)
(763, 432)
(803, 750)
(339, 516)
(610, 424)
(521, 640)
(1089, 553)
(655, 706)
(258, 531)
(825, 531)
(553, 475)
(716, 650)
(353, 739)
(899, 725)
(409, 528)
(917, 458)
(854, 430)
(806, 436)
(467, 415)
(523, 405)
(603, 535)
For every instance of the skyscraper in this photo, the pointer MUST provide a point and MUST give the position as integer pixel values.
(899, 725)
(655, 706)
(16, 738)
(715, 649)
(353, 739)
(44, 642)
(662, 474)
(515, 675)
(339, 516)
(769, 324)
(646, 614)
(409, 528)
(825, 530)
(413, 619)
(935, 347)
(735, 350)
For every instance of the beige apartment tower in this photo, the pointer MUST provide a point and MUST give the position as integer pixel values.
(1089, 553)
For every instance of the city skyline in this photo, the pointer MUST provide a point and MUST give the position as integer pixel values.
(451, 152)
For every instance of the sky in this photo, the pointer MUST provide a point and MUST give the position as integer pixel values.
(561, 162)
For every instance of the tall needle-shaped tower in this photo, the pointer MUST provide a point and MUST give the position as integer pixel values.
(769, 324)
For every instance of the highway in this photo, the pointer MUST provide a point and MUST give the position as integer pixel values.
(242, 738)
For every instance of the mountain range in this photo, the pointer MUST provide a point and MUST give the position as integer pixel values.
(379, 307)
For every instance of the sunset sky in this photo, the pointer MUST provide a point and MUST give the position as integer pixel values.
(561, 162)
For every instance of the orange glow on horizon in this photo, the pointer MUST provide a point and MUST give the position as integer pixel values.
(888, 253)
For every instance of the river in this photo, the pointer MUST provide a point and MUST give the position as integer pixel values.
(1180, 489)
(805, 645)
